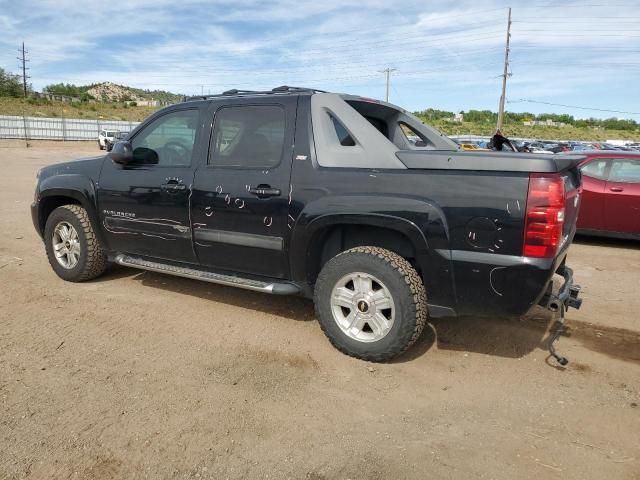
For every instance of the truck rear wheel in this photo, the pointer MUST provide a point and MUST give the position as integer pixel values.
(73, 249)
(370, 303)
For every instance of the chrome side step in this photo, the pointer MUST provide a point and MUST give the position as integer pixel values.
(276, 288)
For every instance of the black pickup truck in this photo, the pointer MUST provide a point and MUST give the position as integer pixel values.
(299, 191)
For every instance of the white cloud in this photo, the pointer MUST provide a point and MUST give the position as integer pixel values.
(211, 45)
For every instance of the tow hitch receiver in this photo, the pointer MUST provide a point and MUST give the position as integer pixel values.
(567, 298)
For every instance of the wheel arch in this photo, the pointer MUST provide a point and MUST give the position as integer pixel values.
(328, 235)
(54, 193)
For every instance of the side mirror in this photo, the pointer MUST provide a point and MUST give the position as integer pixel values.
(121, 153)
(145, 156)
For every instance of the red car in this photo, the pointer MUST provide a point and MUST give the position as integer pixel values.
(611, 194)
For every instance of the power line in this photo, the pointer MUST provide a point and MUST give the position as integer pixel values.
(24, 61)
(198, 84)
(594, 64)
(527, 100)
(397, 45)
(539, 5)
(566, 33)
(355, 45)
(211, 69)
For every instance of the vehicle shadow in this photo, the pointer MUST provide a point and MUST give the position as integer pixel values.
(290, 307)
(496, 336)
(503, 337)
(606, 242)
(500, 337)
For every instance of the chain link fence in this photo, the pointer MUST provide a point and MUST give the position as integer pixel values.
(37, 128)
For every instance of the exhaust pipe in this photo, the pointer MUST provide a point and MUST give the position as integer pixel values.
(554, 305)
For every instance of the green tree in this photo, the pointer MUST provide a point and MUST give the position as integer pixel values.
(64, 89)
(10, 85)
(431, 114)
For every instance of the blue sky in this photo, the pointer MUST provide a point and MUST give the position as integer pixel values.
(448, 55)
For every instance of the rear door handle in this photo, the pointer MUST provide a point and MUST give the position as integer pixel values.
(616, 189)
(264, 191)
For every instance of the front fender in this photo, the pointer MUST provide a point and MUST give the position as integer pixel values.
(422, 222)
(76, 186)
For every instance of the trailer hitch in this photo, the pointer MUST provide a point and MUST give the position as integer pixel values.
(567, 298)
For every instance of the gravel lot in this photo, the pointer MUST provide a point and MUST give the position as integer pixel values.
(139, 375)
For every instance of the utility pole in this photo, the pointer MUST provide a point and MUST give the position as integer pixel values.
(504, 75)
(24, 61)
(387, 71)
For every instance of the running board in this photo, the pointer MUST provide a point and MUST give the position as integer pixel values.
(276, 288)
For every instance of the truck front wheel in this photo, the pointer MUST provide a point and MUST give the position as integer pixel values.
(370, 303)
(73, 249)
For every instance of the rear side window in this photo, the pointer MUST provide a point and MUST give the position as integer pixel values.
(248, 136)
(627, 171)
(345, 139)
(414, 138)
(595, 169)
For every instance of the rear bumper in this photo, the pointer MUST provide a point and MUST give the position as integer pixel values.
(505, 285)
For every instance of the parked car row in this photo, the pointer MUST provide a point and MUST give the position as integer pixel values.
(610, 202)
(547, 146)
(573, 146)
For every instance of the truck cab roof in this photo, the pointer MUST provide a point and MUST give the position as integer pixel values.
(234, 93)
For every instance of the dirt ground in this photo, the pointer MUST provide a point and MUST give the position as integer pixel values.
(140, 375)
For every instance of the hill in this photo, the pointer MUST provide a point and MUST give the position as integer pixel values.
(112, 92)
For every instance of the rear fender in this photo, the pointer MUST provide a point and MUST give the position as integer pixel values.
(421, 222)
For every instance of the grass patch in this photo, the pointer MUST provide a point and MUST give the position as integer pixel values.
(33, 107)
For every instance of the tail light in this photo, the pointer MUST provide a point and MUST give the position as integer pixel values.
(544, 217)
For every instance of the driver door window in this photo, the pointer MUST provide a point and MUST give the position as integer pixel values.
(167, 141)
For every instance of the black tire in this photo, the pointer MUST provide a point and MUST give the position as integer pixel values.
(402, 282)
(100, 146)
(92, 260)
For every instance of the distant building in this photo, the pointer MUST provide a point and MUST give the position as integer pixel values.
(458, 117)
(543, 123)
(149, 103)
(55, 98)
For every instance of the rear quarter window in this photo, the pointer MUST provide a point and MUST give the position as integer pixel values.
(595, 169)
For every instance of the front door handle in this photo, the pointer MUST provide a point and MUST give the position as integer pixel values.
(264, 191)
(616, 189)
